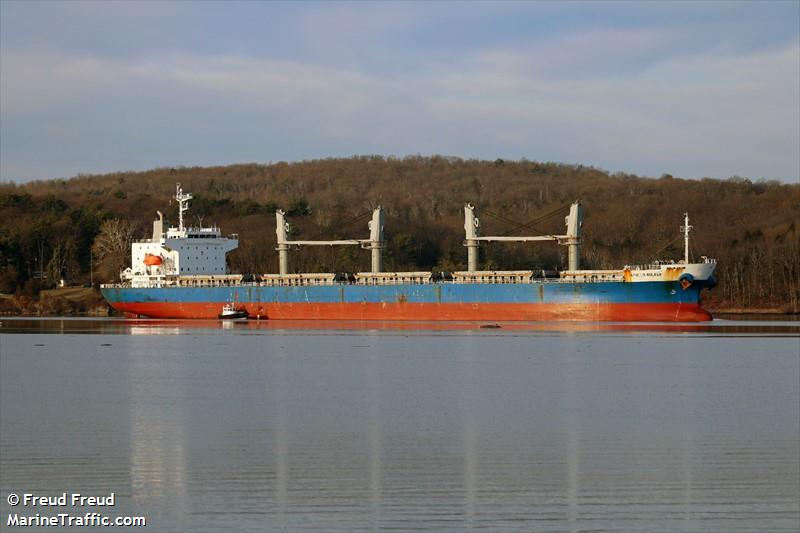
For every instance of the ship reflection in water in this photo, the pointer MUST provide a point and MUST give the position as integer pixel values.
(158, 448)
(753, 324)
(365, 427)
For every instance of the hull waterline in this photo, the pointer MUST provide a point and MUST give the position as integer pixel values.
(647, 302)
(431, 312)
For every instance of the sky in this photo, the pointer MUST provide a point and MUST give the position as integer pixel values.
(693, 89)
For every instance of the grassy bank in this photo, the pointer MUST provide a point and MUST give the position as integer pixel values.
(754, 311)
(67, 301)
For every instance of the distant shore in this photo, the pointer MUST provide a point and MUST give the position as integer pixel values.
(752, 311)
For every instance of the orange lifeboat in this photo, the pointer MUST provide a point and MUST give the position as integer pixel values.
(152, 260)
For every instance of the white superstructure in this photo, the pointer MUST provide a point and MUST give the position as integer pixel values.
(179, 252)
(682, 271)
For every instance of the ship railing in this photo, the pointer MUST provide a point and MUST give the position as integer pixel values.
(207, 229)
(219, 280)
(295, 280)
(493, 276)
(658, 265)
(367, 278)
(655, 265)
(592, 276)
(212, 280)
(392, 278)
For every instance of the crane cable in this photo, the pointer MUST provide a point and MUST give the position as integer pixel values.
(670, 243)
(343, 224)
(528, 225)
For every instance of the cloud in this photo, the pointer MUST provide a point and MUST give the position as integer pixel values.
(712, 114)
(602, 52)
(641, 99)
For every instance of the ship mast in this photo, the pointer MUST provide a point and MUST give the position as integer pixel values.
(183, 204)
(374, 243)
(572, 239)
(686, 227)
(471, 226)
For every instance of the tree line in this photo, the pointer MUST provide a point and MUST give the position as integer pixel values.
(79, 229)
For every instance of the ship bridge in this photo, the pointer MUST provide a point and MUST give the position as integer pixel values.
(180, 250)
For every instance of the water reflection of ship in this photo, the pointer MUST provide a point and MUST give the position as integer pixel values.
(375, 436)
(177, 326)
(158, 444)
(156, 329)
(172, 327)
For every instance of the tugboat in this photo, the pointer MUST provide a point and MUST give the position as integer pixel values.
(230, 312)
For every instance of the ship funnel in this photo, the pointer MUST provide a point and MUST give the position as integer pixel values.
(574, 223)
(158, 227)
(471, 226)
(376, 239)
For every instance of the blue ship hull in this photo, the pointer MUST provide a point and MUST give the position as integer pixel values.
(615, 301)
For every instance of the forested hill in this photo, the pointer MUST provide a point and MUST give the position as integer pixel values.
(49, 228)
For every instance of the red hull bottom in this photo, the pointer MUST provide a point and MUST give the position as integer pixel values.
(613, 312)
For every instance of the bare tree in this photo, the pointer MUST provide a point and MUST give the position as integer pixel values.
(112, 246)
(63, 262)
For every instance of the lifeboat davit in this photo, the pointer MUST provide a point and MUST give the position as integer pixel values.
(152, 260)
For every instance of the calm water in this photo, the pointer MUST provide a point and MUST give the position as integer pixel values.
(258, 427)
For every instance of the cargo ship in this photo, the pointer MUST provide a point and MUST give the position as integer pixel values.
(181, 272)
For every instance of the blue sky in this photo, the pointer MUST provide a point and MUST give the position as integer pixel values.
(688, 88)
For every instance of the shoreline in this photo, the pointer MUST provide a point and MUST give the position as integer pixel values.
(753, 311)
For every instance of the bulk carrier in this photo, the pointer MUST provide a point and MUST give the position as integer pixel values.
(181, 273)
